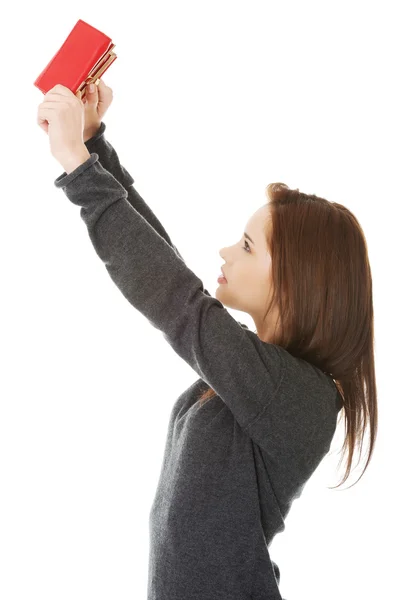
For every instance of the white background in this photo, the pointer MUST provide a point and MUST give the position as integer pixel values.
(212, 101)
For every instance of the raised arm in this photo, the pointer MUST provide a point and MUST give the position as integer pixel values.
(110, 161)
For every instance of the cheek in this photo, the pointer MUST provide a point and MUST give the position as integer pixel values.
(261, 279)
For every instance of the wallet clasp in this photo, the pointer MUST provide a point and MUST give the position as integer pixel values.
(100, 67)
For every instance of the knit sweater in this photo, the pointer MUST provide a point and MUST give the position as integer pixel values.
(233, 466)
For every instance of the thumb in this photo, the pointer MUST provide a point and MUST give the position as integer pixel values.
(92, 95)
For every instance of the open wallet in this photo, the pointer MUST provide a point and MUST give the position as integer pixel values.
(83, 58)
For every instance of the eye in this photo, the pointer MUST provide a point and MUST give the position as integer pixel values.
(246, 245)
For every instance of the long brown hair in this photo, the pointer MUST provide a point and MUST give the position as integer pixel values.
(322, 285)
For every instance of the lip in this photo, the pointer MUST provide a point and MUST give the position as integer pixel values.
(222, 271)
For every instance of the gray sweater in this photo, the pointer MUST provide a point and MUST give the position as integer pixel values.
(231, 468)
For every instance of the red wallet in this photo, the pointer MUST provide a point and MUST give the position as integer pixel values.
(83, 58)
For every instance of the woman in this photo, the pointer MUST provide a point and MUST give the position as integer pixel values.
(247, 435)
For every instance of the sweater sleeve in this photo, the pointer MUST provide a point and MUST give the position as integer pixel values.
(243, 370)
(109, 159)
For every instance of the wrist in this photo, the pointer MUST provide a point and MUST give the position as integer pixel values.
(73, 161)
(90, 132)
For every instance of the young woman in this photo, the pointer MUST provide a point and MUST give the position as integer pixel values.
(247, 435)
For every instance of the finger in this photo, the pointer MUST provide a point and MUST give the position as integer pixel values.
(51, 96)
(41, 118)
(61, 89)
(43, 112)
(92, 94)
(53, 104)
(55, 98)
(104, 90)
(46, 113)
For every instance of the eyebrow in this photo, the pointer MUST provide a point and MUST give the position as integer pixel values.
(248, 237)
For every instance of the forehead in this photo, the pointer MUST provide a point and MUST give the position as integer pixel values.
(259, 220)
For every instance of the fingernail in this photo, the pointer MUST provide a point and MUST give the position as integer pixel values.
(91, 87)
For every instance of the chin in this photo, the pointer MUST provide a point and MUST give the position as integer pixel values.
(218, 292)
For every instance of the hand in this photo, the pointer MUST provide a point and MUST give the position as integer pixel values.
(96, 105)
(61, 116)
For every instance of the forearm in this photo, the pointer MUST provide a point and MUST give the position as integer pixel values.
(107, 155)
(109, 159)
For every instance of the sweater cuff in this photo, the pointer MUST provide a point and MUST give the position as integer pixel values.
(63, 180)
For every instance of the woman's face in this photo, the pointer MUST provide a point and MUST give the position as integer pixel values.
(247, 269)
